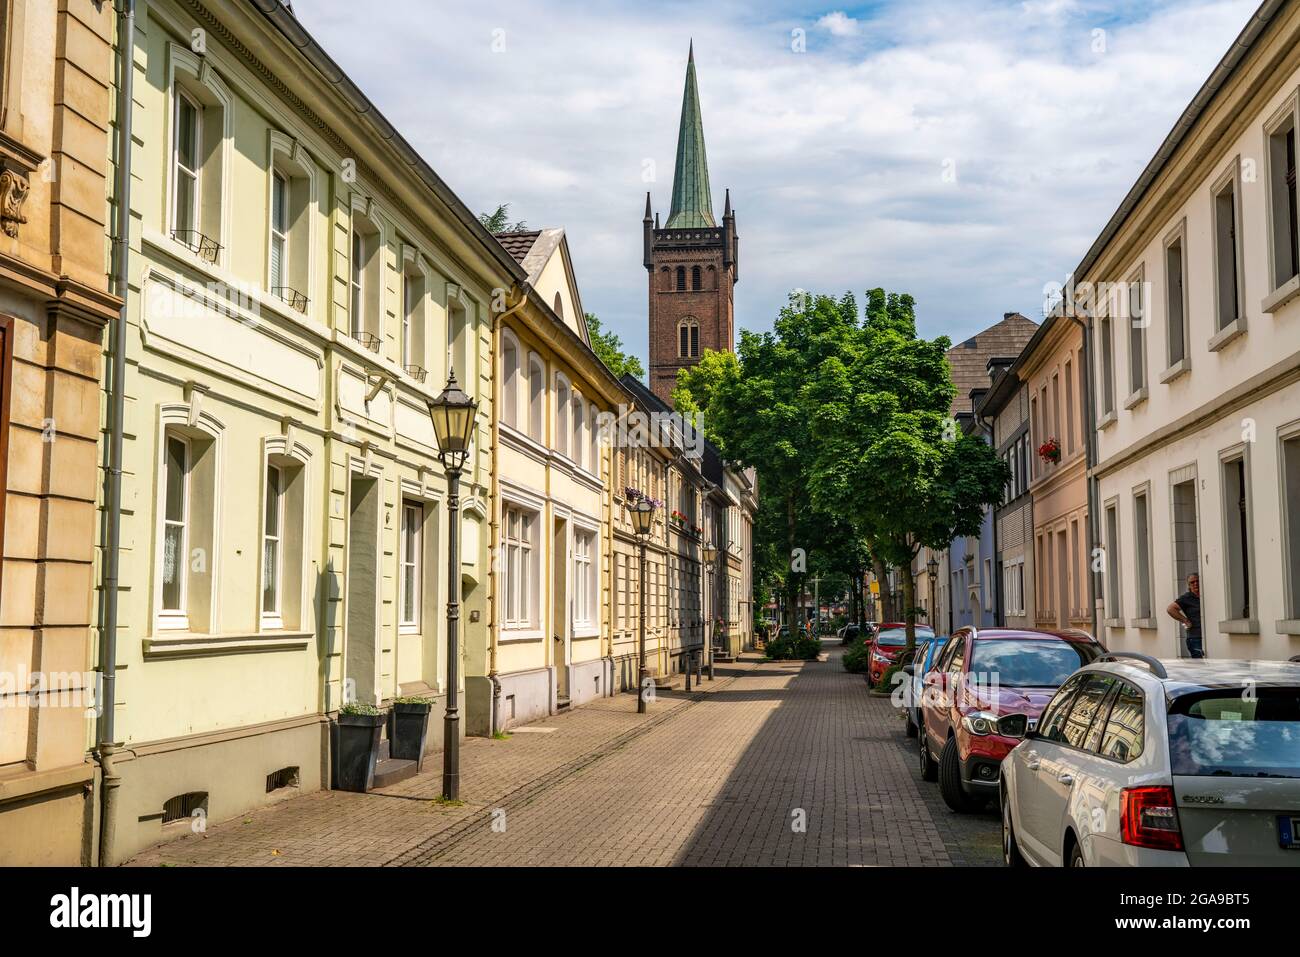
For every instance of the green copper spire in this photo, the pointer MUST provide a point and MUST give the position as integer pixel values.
(692, 205)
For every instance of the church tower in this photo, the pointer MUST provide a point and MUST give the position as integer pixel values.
(692, 261)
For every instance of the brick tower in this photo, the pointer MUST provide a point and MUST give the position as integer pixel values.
(692, 261)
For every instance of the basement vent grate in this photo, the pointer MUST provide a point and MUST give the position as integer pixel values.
(183, 806)
(284, 778)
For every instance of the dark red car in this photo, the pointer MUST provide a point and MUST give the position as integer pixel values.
(988, 687)
(888, 642)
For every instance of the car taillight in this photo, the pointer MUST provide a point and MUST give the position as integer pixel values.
(1148, 817)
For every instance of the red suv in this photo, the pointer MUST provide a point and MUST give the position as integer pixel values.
(886, 645)
(987, 688)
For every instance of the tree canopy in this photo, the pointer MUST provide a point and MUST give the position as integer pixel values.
(498, 221)
(609, 347)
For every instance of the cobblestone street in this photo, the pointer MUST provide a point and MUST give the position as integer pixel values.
(721, 777)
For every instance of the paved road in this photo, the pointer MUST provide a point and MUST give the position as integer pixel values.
(776, 763)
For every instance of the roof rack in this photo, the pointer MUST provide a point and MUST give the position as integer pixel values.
(1294, 658)
(1154, 664)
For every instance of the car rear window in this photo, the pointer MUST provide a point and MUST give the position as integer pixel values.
(1235, 733)
(1031, 662)
(896, 637)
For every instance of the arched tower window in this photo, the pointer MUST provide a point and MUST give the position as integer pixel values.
(688, 338)
(696, 285)
(681, 278)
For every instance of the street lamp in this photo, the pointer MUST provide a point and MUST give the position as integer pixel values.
(710, 555)
(932, 567)
(643, 518)
(453, 414)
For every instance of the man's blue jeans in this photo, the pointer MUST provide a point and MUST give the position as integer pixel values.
(1196, 647)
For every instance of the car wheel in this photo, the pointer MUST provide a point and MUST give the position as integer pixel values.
(929, 771)
(950, 780)
(1011, 855)
(911, 725)
(1076, 855)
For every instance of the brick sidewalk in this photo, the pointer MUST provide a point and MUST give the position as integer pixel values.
(716, 778)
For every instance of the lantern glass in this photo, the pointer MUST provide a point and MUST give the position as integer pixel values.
(453, 415)
(710, 554)
(643, 516)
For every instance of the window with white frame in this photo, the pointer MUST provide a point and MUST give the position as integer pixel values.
(279, 230)
(1284, 232)
(584, 578)
(365, 280)
(593, 441)
(536, 399)
(187, 145)
(1013, 586)
(579, 421)
(509, 382)
(200, 131)
(1114, 608)
(273, 548)
(289, 225)
(562, 400)
(1107, 371)
(410, 565)
(175, 536)
(519, 530)
(413, 358)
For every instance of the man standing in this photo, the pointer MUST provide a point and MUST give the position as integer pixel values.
(1186, 610)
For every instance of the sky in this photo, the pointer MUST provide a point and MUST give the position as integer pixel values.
(967, 153)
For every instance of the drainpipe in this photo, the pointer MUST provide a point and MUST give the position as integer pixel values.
(107, 748)
(1090, 460)
(494, 718)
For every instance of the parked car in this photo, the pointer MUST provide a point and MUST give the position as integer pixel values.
(927, 654)
(848, 634)
(886, 644)
(1138, 761)
(988, 688)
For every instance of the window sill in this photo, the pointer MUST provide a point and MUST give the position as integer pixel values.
(520, 635)
(1288, 626)
(582, 633)
(408, 629)
(1239, 626)
(1179, 368)
(1114, 622)
(1137, 398)
(191, 645)
(1280, 296)
(1227, 334)
(1106, 420)
(1147, 623)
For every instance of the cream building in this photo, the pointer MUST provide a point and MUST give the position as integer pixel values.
(1197, 379)
(56, 68)
(549, 639)
(302, 285)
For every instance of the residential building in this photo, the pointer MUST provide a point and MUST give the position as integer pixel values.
(302, 285)
(549, 630)
(1192, 294)
(56, 298)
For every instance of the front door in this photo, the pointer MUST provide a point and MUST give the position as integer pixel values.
(560, 608)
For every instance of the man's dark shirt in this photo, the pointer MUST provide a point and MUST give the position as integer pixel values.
(1191, 607)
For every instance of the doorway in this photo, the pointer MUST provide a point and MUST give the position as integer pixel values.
(361, 639)
(560, 609)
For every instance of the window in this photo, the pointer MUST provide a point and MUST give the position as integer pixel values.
(1176, 300)
(186, 150)
(1112, 561)
(1142, 553)
(176, 471)
(272, 547)
(536, 399)
(365, 280)
(279, 229)
(509, 382)
(409, 562)
(1052, 725)
(579, 420)
(1283, 234)
(696, 285)
(584, 579)
(1125, 728)
(1290, 455)
(518, 588)
(593, 438)
(1084, 710)
(413, 360)
(688, 337)
(562, 416)
(681, 278)
(1227, 251)
(1237, 536)
(1137, 335)
(1107, 371)
(1069, 408)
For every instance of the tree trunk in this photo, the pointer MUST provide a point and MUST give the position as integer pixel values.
(789, 581)
(909, 607)
(882, 581)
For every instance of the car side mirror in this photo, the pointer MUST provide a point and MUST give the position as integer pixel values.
(1030, 735)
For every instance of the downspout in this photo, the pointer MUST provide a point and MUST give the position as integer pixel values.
(1090, 460)
(494, 542)
(107, 748)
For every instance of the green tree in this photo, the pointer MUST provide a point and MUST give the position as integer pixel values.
(890, 459)
(498, 221)
(609, 348)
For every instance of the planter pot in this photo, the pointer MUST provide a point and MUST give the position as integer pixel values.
(358, 749)
(408, 727)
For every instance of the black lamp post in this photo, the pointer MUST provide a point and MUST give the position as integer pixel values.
(709, 553)
(643, 518)
(932, 566)
(453, 414)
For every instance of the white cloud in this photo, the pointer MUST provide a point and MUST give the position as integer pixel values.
(839, 24)
(834, 157)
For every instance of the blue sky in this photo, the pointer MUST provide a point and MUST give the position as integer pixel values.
(964, 152)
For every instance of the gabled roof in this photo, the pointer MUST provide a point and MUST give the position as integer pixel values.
(534, 249)
(692, 201)
(969, 360)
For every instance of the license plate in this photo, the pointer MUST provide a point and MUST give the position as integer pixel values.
(1288, 832)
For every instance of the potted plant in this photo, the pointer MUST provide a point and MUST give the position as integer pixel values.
(408, 727)
(1050, 451)
(359, 726)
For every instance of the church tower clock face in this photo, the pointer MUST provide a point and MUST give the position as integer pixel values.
(691, 259)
